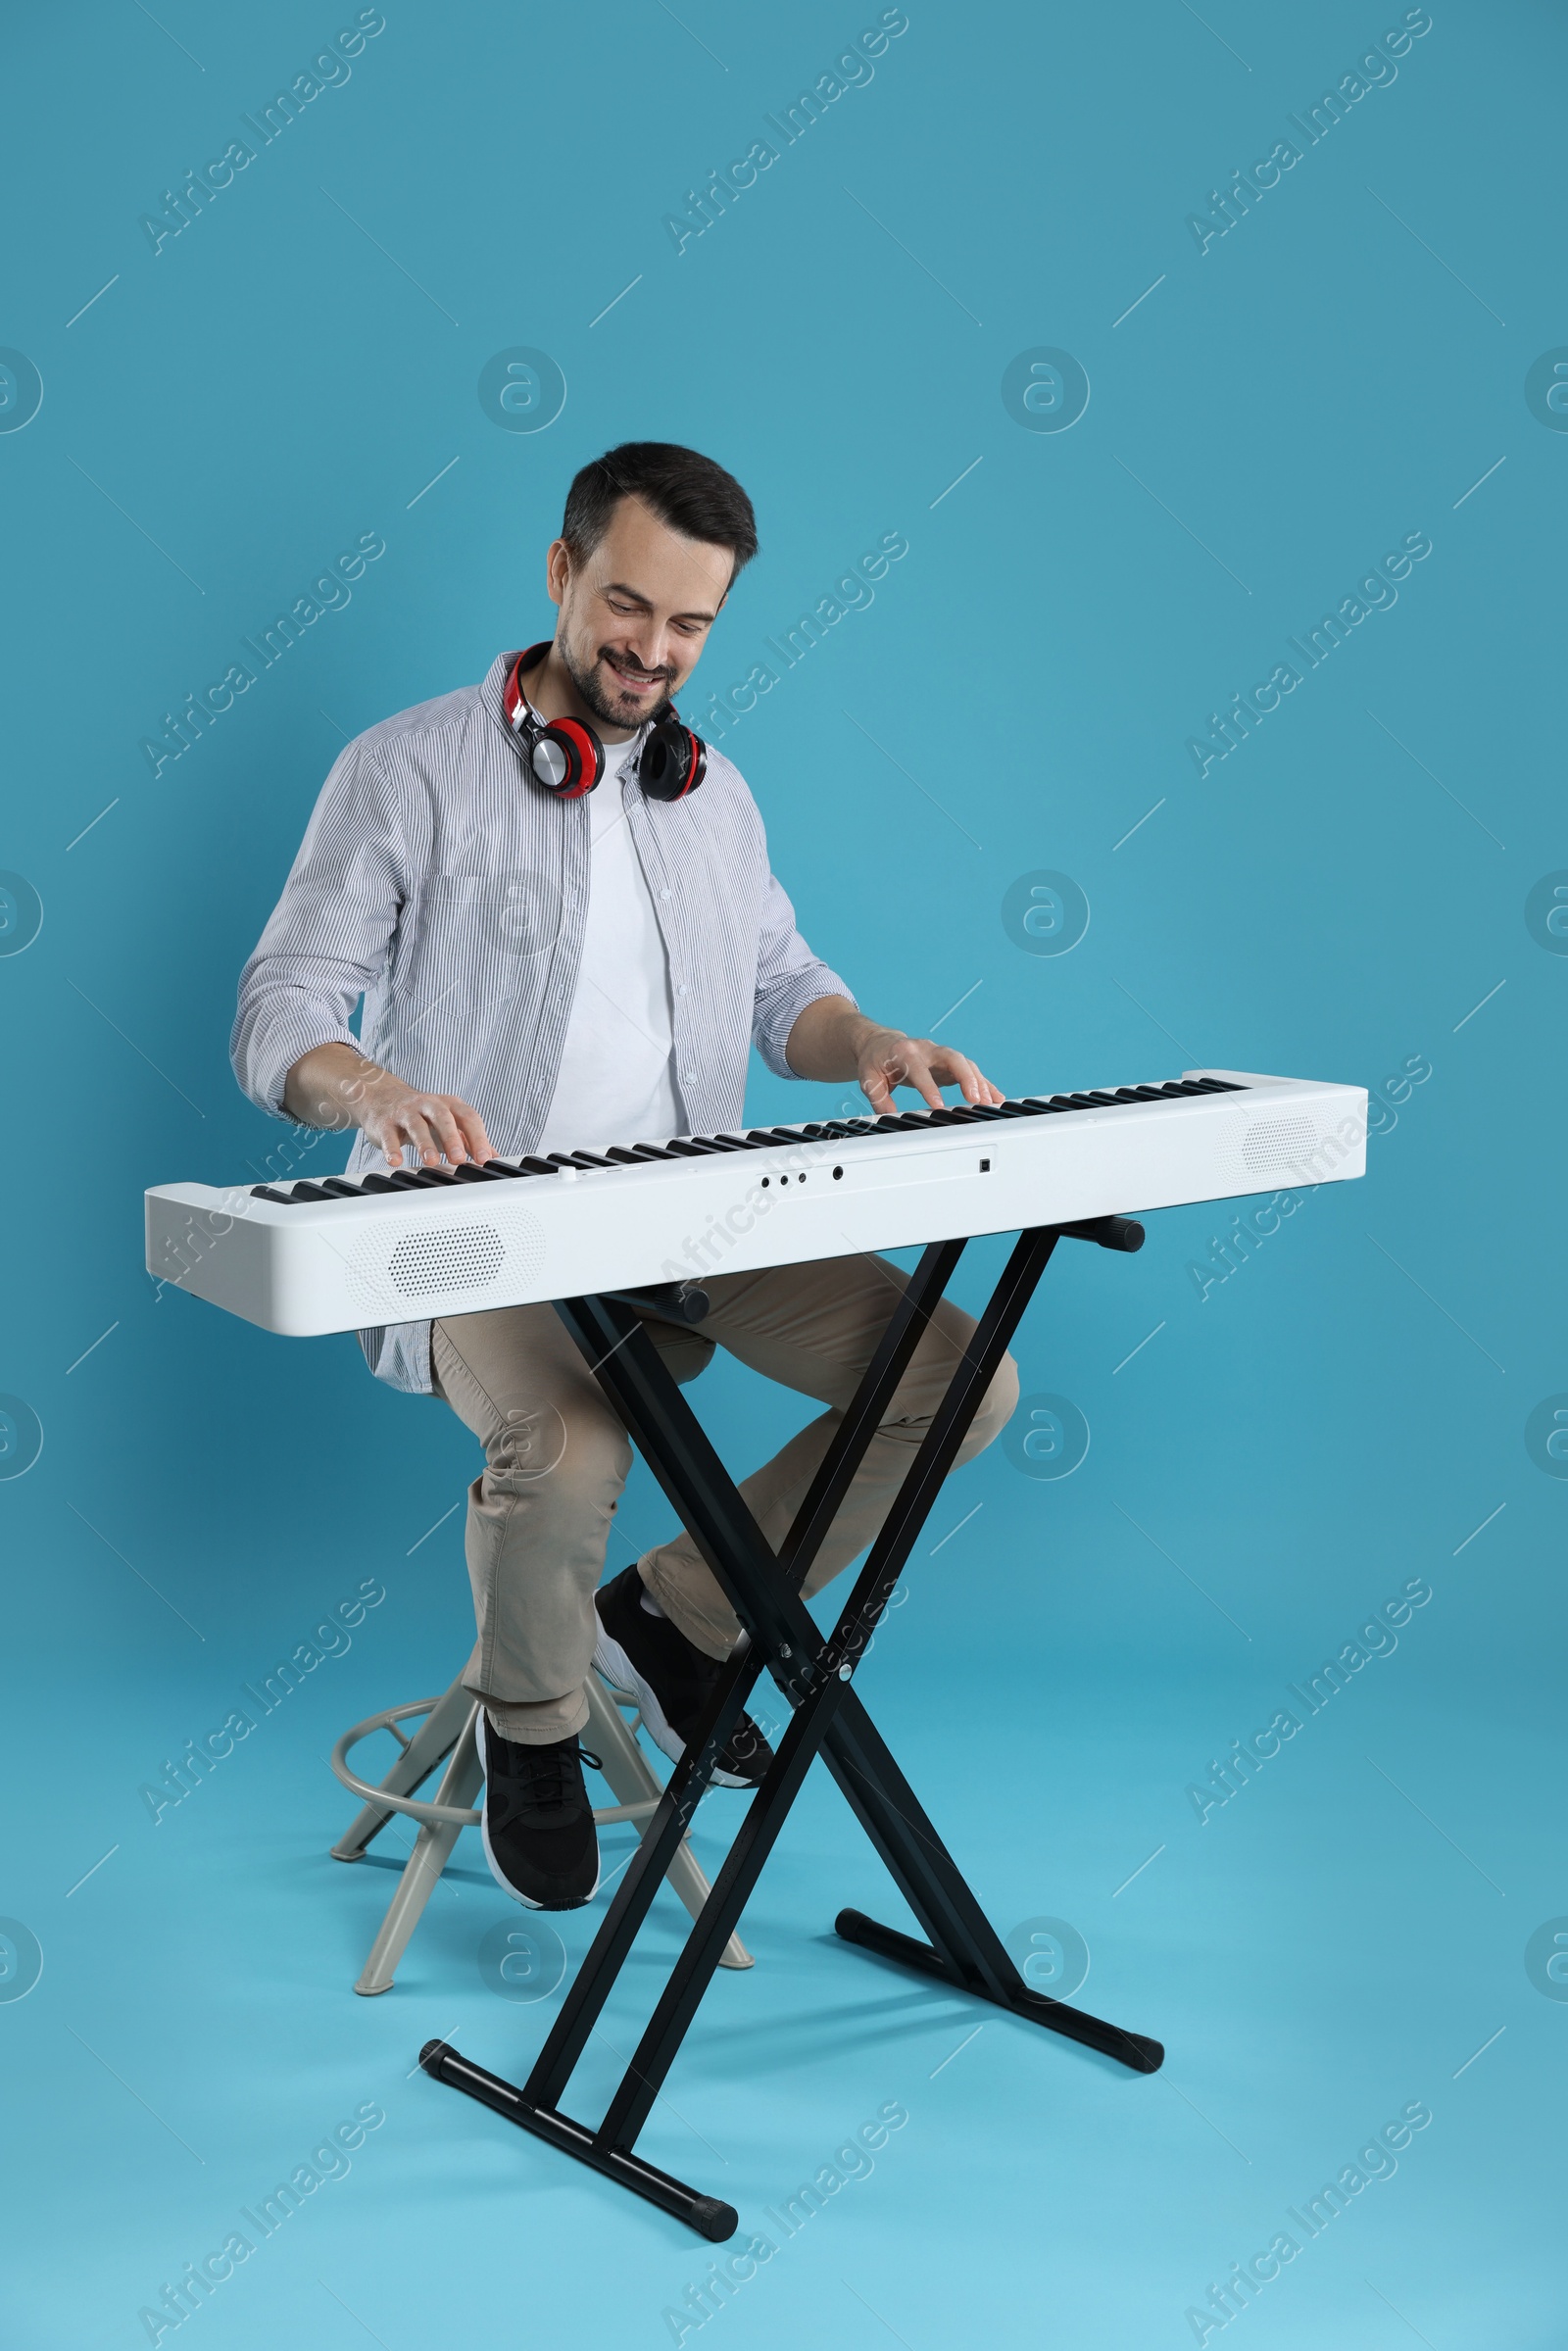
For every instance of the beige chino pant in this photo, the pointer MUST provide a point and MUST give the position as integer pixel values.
(557, 1457)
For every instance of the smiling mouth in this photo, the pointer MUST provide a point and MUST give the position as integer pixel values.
(635, 681)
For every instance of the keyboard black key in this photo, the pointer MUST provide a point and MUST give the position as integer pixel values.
(413, 1179)
(340, 1187)
(471, 1173)
(268, 1192)
(651, 1151)
(702, 1147)
(620, 1157)
(376, 1183)
(309, 1191)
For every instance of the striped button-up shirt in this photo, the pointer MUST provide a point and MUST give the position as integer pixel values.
(436, 881)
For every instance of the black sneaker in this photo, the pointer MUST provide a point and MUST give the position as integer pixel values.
(673, 1682)
(537, 1825)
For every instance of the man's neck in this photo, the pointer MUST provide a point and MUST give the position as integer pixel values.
(549, 688)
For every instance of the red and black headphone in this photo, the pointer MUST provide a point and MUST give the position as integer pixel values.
(566, 756)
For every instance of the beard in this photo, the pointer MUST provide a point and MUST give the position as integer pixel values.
(599, 690)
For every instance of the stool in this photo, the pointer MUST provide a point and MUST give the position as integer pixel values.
(448, 1731)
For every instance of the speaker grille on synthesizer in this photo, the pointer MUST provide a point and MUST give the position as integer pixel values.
(462, 1259)
(1275, 1145)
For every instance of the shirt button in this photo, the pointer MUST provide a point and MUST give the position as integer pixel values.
(680, 991)
(663, 893)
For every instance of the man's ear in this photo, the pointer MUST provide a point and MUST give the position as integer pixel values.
(557, 571)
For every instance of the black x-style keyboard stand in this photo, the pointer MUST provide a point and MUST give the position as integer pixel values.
(815, 1674)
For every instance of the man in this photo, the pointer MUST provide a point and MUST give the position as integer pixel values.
(545, 973)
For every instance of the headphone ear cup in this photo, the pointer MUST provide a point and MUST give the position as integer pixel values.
(673, 761)
(567, 758)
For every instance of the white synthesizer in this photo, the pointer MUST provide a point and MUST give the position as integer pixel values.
(344, 1252)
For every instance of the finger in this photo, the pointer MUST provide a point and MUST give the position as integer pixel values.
(453, 1115)
(967, 1074)
(420, 1134)
(416, 1133)
(958, 1071)
(420, 1118)
(383, 1132)
(918, 1073)
(473, 1134)
(875, 1086)
(448, 1134)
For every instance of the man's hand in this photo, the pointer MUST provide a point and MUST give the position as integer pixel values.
(333, 1086)
(832, 1040)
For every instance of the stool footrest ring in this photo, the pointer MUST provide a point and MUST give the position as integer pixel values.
(461, 1816)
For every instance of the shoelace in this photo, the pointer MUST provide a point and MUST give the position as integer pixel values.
(550, 1778)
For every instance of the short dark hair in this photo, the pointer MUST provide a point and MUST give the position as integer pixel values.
(688, 491)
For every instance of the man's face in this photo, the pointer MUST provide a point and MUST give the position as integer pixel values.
(635, 614)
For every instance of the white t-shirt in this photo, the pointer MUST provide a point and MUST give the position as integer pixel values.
(618, 1076)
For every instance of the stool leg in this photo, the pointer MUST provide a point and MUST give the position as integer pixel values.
(632, 1781)
(436, 1734)
(432, 1849)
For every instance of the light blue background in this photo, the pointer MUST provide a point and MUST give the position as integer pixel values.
(1336, 897)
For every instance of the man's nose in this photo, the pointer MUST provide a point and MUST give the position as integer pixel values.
(647, 646)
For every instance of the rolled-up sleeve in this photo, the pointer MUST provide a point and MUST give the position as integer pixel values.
(789, 977)
(330, 933)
